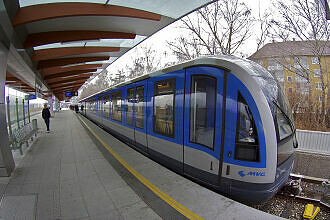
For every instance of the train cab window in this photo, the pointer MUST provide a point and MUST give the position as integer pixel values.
(130, 101)
(106, 106)
(247, 143)
(116, 106)
(202, 110)
(139, 107)
(163, 110)
(283, 124)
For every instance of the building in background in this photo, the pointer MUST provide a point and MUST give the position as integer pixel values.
(301, 67)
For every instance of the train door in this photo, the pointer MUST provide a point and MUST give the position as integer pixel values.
(244, 144)
(203, 122)
(139, 114)
(165, 118)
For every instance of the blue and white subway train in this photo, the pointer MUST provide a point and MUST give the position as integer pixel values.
(222, 121)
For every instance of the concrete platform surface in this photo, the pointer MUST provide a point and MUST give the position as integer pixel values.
(67, 175)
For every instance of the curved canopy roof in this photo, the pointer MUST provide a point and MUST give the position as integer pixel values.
(70, 40)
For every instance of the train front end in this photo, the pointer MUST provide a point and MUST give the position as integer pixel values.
(258, 155)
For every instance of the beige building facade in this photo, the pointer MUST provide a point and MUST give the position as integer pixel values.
(301, 67)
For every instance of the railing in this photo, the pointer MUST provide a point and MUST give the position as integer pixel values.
(314, 141)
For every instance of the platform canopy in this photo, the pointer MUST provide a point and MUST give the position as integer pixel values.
(71, 40)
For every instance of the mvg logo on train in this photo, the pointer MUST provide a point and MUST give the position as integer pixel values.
(242, 174)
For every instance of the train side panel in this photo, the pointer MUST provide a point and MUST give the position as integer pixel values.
(165, 118)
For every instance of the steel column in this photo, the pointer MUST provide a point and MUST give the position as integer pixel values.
(29, 110)
(7, 163)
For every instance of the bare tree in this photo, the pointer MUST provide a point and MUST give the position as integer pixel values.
(220, 28)
(305, 20)
(185, 48)
(119, 77)
(150, 59)
(102, 82)
(136, 69)
(263, 23)
(146, 60)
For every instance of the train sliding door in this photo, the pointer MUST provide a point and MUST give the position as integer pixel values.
(203, 122)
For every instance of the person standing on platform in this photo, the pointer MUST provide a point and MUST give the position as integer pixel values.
(46, 116)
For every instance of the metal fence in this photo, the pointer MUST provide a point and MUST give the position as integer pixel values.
(314, 141)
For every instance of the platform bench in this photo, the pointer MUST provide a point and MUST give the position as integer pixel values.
(23, 135)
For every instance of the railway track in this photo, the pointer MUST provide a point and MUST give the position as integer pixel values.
(319, 194)
(290, 202)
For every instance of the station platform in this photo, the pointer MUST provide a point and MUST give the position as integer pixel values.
(79, 171)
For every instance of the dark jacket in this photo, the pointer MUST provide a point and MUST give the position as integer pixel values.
(45, 113)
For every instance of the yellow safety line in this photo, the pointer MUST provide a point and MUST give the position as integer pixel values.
(169, 200)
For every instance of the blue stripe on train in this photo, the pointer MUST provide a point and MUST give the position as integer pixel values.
(234, 85)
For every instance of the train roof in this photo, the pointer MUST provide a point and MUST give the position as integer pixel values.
(265, 79)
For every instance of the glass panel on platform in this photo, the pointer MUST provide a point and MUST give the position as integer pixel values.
(26, 111)
(35, 108)
(12, 111)
(20, 111)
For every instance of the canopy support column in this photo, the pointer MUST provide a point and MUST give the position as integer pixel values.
(7, 163)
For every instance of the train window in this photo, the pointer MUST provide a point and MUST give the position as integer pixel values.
(247, 143)
(129, 112)
(139, 107)
(99, 104)
(202, 110)
(116, 106)
(93, 106)
(283, 124)
(88, 106)
(106, 106)
(163, 111)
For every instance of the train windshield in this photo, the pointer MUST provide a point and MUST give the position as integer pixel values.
(283, 124)
(283, 103)
(285, 136)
